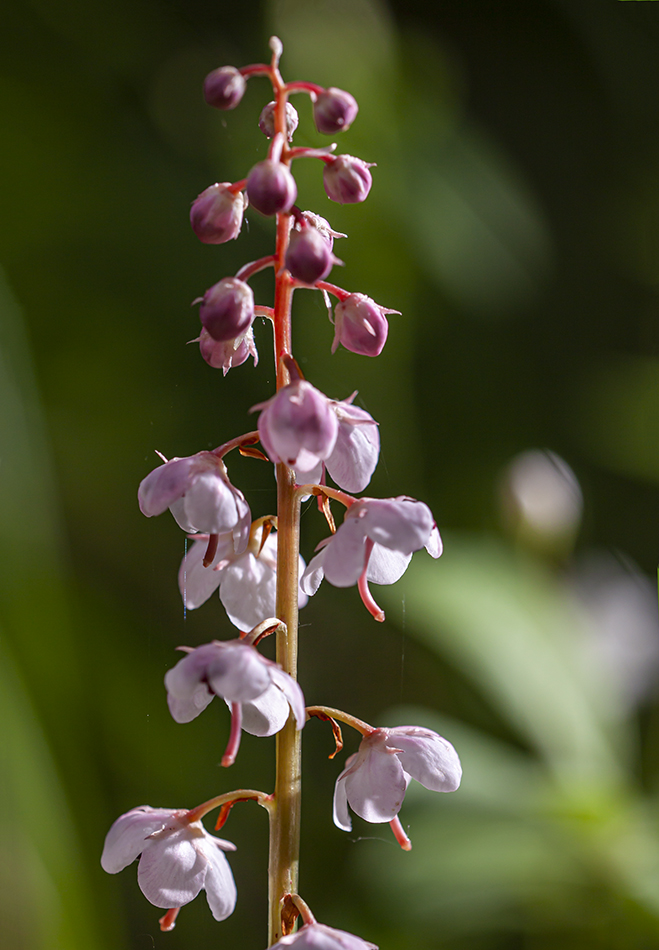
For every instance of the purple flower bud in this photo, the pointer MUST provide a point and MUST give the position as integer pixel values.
(309, 256)
(216, 215)
(271, 187)
(298, 426)
(224, 88)
(334, 111)
(360, 325)
(347, 179)
(267, 120)
(228, 353)
(227, 309)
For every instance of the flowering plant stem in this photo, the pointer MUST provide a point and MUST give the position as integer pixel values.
(284, 854)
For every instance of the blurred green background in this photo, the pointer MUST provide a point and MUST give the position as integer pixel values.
(514, 220)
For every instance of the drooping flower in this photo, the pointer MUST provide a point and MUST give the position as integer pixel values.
(360, 325)
(347, 179)
(216, 215)
(314, 936)
(257, 690)
(353, 459)
(376, 777)
(178, 858)
(374, 543)
(227, 309)
(247, 579)
(334, 110)
(298, 426)
(229, 353)
(224, 87)
(197, 491)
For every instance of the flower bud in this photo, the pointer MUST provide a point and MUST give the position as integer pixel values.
(227, 309)
(309, 256)
(271, 187)
(216, 215)
(347, 179)
(267, 120)
(334, 111)
(360, 325)
(298, 426)
(224, 88)
(228, 353)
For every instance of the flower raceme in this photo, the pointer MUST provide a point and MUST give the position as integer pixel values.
(247, 579)
(257, 690)
(375, 543)
(178, 859)
(376, 777)
(197, 491)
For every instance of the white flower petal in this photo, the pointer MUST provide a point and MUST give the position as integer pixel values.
(293, 693)
(211, 504)
(341, 814)
(238, 672)
(344, 553)
(402, 524)
(171, 871)
(434, 545)
(313, 575)
(427, 757)
(266, 715)
(248, 591)
(356, 450)
(219, 884)
(197, 582)
(386, 566)
(376, 783)
(125, 839)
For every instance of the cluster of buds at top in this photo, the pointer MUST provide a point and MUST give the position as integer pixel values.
(310, 438)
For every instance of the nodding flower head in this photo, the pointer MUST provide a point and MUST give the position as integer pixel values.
(360, 325)
(334, 111)
(309, 255)
(224, 87)
(216, 215)
(315, 936)
(298, 426)
(347, 179)
(226, 354)
(227, 309)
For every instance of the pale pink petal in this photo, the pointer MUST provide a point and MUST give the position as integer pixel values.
(356, 450)
(376, 783)
(317, 936)
(171, 871)
(266, 715)
(314, 573)
(187, 691)
(164, 485)
(293, 693)
(125, 839)
(212, 505)
(386, 566)
(219, 884)
(344, 553)
(427, 757)
(341, 814)
(248, 591)
(238, 672)
(434, 545)
(401, 524)
(197, 582)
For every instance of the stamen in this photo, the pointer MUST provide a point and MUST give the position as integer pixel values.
(233, 744)
(168, 921)
(211, 550)
(363, 588)
(400, 835)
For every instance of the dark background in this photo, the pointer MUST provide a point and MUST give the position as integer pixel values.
(514, 223)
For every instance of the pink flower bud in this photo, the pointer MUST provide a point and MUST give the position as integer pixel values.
(298, 426)
(271, 187)
(309, 256)
(360, 325)
(267, 120)
(216, 215)
(227, 309)
(347, 179)
(226, 354)
(224, 88)
(334, 111)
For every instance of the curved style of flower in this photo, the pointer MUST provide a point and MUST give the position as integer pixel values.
(179, 859)
(374, 543)
(298, 426)
(355, 455)
(314, 936)
(247, 579)
(376, 777)
(199, 494)
(257, 690)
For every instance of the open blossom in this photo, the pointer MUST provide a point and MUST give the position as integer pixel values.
(376, 777)
(257, 690)
(314, 936)
(374, 543)
(178, 858)
(353, 459)
(199, 494)
(247, 580)
(298, 426)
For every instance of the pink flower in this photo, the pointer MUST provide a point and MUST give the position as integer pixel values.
(376, 777)
(347, 179)
(360, 325)
(199, 494)
(179, 858)
(334, 111)
(247, 579)
(298, 426)
(353, 459)
(315, 936)
(224, 87)
(257, 690)
(216, 215)
(374, 543)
